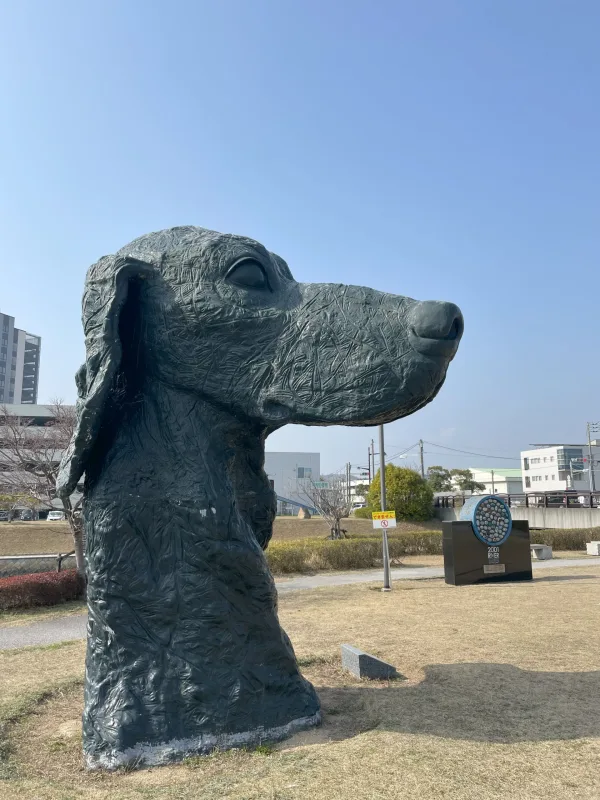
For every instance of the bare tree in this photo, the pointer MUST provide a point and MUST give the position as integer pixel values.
(29, 461)
(331, 500)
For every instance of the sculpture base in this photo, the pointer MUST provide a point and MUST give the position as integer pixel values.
(154, 755)
(468, 560)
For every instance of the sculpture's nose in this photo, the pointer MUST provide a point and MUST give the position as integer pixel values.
(435, 328)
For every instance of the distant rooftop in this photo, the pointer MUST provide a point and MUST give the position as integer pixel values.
(558, 444)
(500, 473)
(28, 410)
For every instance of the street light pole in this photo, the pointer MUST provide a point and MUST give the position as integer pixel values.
(387, 585)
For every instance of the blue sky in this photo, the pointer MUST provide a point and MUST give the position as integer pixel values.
(440, 149)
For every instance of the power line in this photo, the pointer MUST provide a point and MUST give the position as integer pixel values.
(469, 453)
(460, 455)
(402, 452)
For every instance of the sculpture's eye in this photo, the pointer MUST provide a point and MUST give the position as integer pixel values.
(248, 274)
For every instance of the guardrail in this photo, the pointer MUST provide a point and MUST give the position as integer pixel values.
(568, 499)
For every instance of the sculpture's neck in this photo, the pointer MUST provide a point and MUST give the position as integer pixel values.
(179, 442)
(174, 447)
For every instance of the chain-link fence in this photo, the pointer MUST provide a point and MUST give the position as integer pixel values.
(45, 562)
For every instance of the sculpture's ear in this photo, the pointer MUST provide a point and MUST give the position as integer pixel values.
(105, 294)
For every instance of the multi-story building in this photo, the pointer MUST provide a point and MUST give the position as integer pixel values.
(290, 473)
(19, 363)
(550, 467)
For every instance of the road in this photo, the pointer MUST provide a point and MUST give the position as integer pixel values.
(62, 629)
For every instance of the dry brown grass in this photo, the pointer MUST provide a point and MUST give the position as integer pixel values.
(502, 699)
(290, 528)
(10, 619)
(18, 538)
(54, 537)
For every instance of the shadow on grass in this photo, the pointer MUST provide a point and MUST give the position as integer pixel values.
(566, 578)
(478, 702)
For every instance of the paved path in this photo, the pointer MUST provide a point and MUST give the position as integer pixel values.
(61, 629)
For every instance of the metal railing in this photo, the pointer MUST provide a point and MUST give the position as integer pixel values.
(560, 499)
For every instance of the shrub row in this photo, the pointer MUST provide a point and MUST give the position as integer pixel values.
(568, 539)
(363, 552)
(309, 555)
(40, 589)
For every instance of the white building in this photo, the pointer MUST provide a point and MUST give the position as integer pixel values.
(19, 363)
(499, 481)
(289, 473)
(551, 467)
(355, 496)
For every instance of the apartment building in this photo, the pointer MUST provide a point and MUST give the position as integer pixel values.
(19, 363)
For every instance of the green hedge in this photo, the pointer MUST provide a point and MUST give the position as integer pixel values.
(363, 552)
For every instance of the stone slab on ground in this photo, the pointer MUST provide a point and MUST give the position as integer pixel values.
(364, 665)
(541, 552)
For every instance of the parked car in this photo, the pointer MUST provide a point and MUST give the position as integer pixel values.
(4, 516)
(25, 515)
(55, 516)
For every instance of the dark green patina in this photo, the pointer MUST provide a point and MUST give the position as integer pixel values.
(198, 345)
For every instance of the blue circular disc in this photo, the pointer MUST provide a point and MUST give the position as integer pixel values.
(490, 517)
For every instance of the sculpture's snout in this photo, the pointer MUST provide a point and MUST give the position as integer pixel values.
(435, 328)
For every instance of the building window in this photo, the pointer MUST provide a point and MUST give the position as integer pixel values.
(551, 458)
(527, 482)
(304, 472)
(525, 463)
(546, 477)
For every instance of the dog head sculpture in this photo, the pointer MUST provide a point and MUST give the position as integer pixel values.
(197, 346)
(222, 318)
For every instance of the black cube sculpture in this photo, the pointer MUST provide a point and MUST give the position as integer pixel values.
(486, 545)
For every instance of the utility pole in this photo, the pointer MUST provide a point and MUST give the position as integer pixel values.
(369, 467)
(493, 486)
(387, 586)
(422, 458)
(348, 471)
(592, 427)
(373, 456)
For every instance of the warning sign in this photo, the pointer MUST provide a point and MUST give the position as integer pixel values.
(384, 519)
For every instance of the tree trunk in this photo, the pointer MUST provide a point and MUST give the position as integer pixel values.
(76, 525)
(336, 532)
(79, 556)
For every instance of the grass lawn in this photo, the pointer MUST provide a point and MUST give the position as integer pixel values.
(501, 700)
(290, 528)
(55, 537)
(18, 538)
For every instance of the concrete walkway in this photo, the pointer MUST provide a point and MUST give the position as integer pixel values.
(62, 629)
